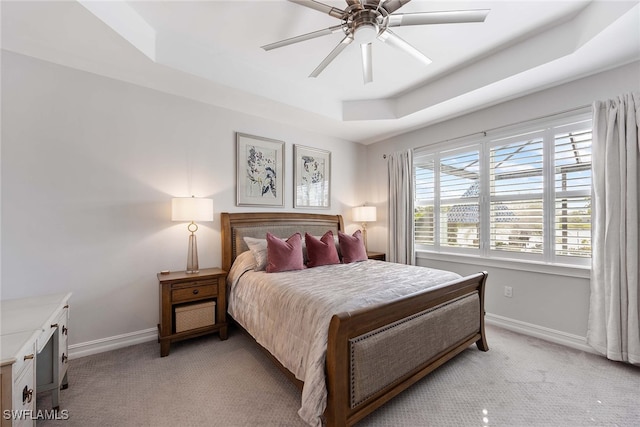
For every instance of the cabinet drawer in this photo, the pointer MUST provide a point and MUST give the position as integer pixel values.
(194, 292)
(24, 360)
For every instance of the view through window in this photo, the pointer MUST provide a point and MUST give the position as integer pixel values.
(523, 195)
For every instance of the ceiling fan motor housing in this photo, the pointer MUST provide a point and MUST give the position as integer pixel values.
(364, 27)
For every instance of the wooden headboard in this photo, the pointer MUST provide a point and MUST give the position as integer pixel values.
(236, 226)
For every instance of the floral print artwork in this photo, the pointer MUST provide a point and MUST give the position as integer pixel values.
(312, 177)
(312, 170)
(261, 172)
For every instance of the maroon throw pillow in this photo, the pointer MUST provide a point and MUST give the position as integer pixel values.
(284, 255)
(352, 247)
(321, 251)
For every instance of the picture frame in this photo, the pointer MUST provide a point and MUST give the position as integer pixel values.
(312, 177)
(259, 171)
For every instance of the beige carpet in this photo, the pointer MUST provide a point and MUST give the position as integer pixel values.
(521, 381)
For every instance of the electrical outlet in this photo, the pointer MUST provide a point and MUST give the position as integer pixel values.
(508, 291)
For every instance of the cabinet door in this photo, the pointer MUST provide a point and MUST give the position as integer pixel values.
(24, 395)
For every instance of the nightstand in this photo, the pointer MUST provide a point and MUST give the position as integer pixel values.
(191, 305)
(380, 256)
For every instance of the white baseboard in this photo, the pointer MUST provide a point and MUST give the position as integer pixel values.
(120, 341)
(112, 343)
(547, 334)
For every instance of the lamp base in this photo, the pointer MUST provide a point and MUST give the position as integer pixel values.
(192, 257)
(364, 236)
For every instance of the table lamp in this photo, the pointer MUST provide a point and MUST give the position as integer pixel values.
(364, 214)
(192, 209)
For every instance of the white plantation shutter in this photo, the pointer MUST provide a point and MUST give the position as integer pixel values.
(525, 195)
(424, 200)
(572, 172)
(516, 179)
(459, 199)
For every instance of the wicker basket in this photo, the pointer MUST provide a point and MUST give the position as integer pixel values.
(194, 316)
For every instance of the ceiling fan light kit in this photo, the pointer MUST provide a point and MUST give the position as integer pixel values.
(364, 21)
(366, 33)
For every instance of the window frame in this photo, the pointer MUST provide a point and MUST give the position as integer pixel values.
(548, 129)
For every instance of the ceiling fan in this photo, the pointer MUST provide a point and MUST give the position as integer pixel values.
(363, 21)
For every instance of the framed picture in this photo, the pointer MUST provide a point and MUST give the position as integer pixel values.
(260, 171)
(312, 177)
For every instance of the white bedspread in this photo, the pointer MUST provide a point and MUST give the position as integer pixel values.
(289, 313)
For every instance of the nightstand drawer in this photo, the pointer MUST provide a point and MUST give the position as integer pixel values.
(194, 292)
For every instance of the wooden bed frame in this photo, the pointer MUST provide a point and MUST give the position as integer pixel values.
(349, 332)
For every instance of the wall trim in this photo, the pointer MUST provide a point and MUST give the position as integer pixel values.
(563, 338)
(146, 335)
(112, 343)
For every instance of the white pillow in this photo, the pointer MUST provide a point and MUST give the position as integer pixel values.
(243, 263)
(258, 248)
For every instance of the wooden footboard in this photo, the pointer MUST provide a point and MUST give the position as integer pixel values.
(375, 353)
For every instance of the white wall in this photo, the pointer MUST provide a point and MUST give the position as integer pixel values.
(547, 302)
(89, 166)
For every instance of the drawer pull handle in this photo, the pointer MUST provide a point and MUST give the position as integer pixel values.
(54, 325)
(27, 395)
(64, 358)
(196, 291)
(65, 330)
(29, 356)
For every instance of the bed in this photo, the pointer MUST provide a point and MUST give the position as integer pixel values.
(357, 353)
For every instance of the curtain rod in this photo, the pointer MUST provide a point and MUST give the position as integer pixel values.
(484, 132)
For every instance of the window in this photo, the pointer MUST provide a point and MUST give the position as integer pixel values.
(523, 194)
(424, 226)
(516, 191)
(459, 199)
(572, 176)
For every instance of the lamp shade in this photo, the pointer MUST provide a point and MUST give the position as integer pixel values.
(191, 209)
(364, 213)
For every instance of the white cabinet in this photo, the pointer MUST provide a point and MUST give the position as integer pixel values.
(34, 355)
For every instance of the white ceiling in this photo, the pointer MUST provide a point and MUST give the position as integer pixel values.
(210, 51)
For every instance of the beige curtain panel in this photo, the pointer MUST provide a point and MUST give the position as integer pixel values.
(614, 319)
(400, 166)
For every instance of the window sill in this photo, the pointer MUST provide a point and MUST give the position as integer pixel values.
(510, 264)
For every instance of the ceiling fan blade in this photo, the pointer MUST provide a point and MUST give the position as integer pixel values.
(393, 40)
(449, 17)
(335, 52)
(367, 65)
(393, 5)
(324, 8)
(303, 37)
